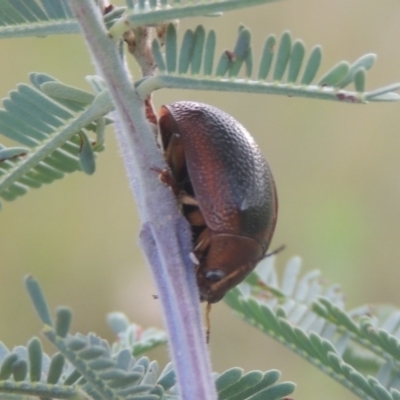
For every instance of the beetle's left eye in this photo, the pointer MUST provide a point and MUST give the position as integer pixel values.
(215, 276)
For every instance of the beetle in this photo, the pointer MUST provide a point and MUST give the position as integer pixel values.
(226, 191)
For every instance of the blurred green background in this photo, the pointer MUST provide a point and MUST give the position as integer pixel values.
(336, 167)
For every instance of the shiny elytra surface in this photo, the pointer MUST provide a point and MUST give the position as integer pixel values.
(214, 159)
(230, 177)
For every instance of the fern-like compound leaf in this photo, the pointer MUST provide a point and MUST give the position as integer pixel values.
(309, 318)
(87, 366)
(27, 372)
(52, 122)
(39, 18)
(234, 384)
(38, 300)
(291, 72)
(133, 336)
(157, 13)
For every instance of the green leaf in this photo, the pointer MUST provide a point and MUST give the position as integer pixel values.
(322, 338)
(180, 11)
(56, 368)
(198, 47)
(286, 57)
(335, 74)
(283, 56)
(158, 57)
(13, 152)
(246, 381)
(7, 365)
(86, 154)
(76, 343)
(118, 322)
(23, 18)
(267, 57)
(133, 336)
(275, 392)
(171, 50)
(19, 370)
(28, 19)
(91, 352)
(66, 92)
(240, 52)
(296, 61)
(35, 359)
(313, 64)
(167, 378)
(384, 94)
(63, 321)
(224, 63)
(395, 394)
(248, 61)
(48, 125)
(101, 363)
(380, 392)
(38, 300)
(228, 378)
(365, 62)
(87, 366)
(209, 53)
(185, 55)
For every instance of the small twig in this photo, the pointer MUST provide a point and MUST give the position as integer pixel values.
(139, 45)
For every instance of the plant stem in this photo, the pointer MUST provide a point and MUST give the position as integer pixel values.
(165, 235)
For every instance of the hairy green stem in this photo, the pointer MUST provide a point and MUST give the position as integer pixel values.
(165, 235)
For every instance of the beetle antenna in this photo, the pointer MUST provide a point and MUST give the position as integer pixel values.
(276, 251)
(208, 322)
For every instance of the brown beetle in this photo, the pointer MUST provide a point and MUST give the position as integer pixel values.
(226, 190)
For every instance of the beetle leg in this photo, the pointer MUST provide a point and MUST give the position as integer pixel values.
(186, 199)
(208, 322)
(203, 241)
(276, 251)
(196, 218)
(167, 179)
(175, 156)
(165, 176)
(151, 114)
(193, 258)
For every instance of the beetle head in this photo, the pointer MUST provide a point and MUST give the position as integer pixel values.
(229, 260)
